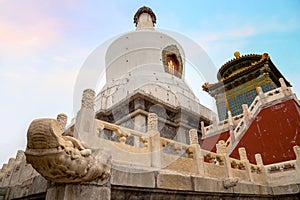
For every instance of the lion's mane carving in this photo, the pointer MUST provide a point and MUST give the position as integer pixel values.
(58, 158)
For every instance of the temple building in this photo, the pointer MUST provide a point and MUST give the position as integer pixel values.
(239, 79)
(244, 83)
(145, 135)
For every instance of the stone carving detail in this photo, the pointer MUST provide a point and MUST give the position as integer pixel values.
(152, 122)
(231, 182)
(88, 98)
(221, 147)
(193, 136)
(60, 158)
(62, 121)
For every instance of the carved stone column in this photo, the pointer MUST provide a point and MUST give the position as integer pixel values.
(244, 158)
(85, 119)
(197, 153)
(154, 137)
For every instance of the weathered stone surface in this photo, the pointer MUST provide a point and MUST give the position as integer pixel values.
(122, 193)
(18, 191)
(27, 172)
(132, 177)
(170, 180)
(3, 193)
(31, 187)
(286, 189)
(202, 184)
(39, 185)
(249, 188)
(78, 192)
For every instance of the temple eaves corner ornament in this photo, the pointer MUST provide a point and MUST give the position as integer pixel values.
(61, 159)
(205, 87)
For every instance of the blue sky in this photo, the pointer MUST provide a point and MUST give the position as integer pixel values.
(44, 43)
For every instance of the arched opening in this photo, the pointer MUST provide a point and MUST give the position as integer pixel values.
(172, 61)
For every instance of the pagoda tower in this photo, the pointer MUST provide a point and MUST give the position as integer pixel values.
(238, 80)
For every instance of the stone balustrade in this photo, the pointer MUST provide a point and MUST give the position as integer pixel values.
(221, 126)
(183, 159)
(123, 133)
(191, 158)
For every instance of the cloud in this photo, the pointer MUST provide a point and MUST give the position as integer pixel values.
(249, 29)
(18, 40)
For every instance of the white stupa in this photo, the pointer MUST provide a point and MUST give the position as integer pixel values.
(149, 65)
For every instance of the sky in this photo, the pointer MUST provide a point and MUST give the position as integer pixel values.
(43, 45)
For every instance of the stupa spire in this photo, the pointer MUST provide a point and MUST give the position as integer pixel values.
(144, 18)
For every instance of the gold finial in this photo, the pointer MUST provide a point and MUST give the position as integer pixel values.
(236, 54)
(264, 56)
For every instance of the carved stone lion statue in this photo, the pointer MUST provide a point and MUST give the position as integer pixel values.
(59, 158)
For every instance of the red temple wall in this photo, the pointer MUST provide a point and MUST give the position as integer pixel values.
(273, 133)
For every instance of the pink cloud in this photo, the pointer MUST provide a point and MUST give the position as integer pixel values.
(26, 28)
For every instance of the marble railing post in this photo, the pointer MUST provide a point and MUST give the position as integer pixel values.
(259, 160)
(261, 94)
(222, 151)
(286, 90)
(85, 119)
(154, 140)
(246, 113)
(203, 132)
(230, 123)
(244, 159)
(221, 147)
(297, 153)
(260, 164)
(197, 153)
